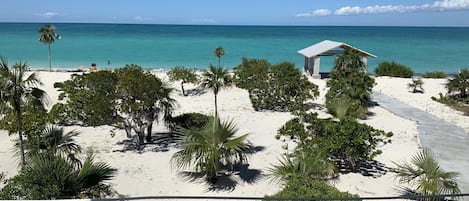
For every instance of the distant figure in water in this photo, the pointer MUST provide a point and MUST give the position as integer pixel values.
(108, 62)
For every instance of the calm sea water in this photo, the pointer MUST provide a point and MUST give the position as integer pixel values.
(166, 46)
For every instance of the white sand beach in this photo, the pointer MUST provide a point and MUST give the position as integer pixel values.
(149, 172)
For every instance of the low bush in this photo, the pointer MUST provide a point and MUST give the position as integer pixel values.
(190, 121)
(435, 74)
(305, 187)
(393, 69)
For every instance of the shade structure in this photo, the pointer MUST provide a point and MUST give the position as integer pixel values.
(313, 53)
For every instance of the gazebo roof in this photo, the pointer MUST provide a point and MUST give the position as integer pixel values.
(328, 47)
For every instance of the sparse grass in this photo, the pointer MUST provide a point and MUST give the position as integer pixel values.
(457, 104)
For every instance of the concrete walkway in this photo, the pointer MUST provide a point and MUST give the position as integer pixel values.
(450, 143)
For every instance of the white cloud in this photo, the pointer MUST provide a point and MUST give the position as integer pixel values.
(440, 5)
(49, 14)
(138, 18)
(204, 20)
(322, 12)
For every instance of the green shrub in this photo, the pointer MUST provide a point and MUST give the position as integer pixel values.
(305, 187)
(190, 121)
(279, 87)
(393, 69)
(435, 74)
(350, 85)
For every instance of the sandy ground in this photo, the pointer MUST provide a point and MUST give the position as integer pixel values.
(149, 172)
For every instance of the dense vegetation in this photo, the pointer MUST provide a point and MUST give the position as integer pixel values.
(349, 87)
(435, 74)
(305, 187)
(393, 69)
(279, 87)
(345, 142)
(457, 92)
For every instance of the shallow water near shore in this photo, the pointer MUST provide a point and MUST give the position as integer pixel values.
(165, 46)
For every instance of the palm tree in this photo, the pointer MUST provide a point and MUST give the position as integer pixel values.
(17, 91)
(54, 140)
(212, 149)
(416, 85)
(306, 163)
(427, 176)
(215, 78)
(48, 36)
(219, 52)
(459, 83)
(48, 176)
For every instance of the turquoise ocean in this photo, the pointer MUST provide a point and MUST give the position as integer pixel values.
(165, 46)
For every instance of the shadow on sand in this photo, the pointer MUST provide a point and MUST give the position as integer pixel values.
(226, 180)
(160, 142)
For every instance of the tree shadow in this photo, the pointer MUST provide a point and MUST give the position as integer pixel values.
(195, 92)
(371, 168)
(225, 180)
(160, 142)
(315, 106)
(256, 149)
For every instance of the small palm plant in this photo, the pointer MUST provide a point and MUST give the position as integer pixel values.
(306, 163)
(184, 74)
(416, 85)
(54, 140)
(215, 78)
(459, 84)
(212, 148)
(48, 36)
(426, 175)
(48, 176)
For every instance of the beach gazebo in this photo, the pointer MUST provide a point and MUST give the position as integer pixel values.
(314, 52)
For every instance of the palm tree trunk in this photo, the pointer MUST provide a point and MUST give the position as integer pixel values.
(219, 63)
(20, 135)
(216, 112)
(50, 68)
(182, 88)
(149, 130)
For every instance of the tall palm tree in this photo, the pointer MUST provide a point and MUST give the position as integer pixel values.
(215, 78)
(48, 36)
(17, 90)
(212, 149)
(427, 176)
(219, 52)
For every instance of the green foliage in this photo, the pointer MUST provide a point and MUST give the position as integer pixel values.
(212, 148)
(458, 86)
(184, 74)
(143, 98)
(215, 78)
(416, 85)
(190, 121)
(54, 140)
(306, 187)
(89, 98)
(279, 87)
(434, 74)
(393, 69)
(306, 162)
(18, 93)
(346, 142)
(427, 177)
(49, 176)
(349, 84)
(219, 52)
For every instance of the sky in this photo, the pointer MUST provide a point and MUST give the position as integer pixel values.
(242, 12)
